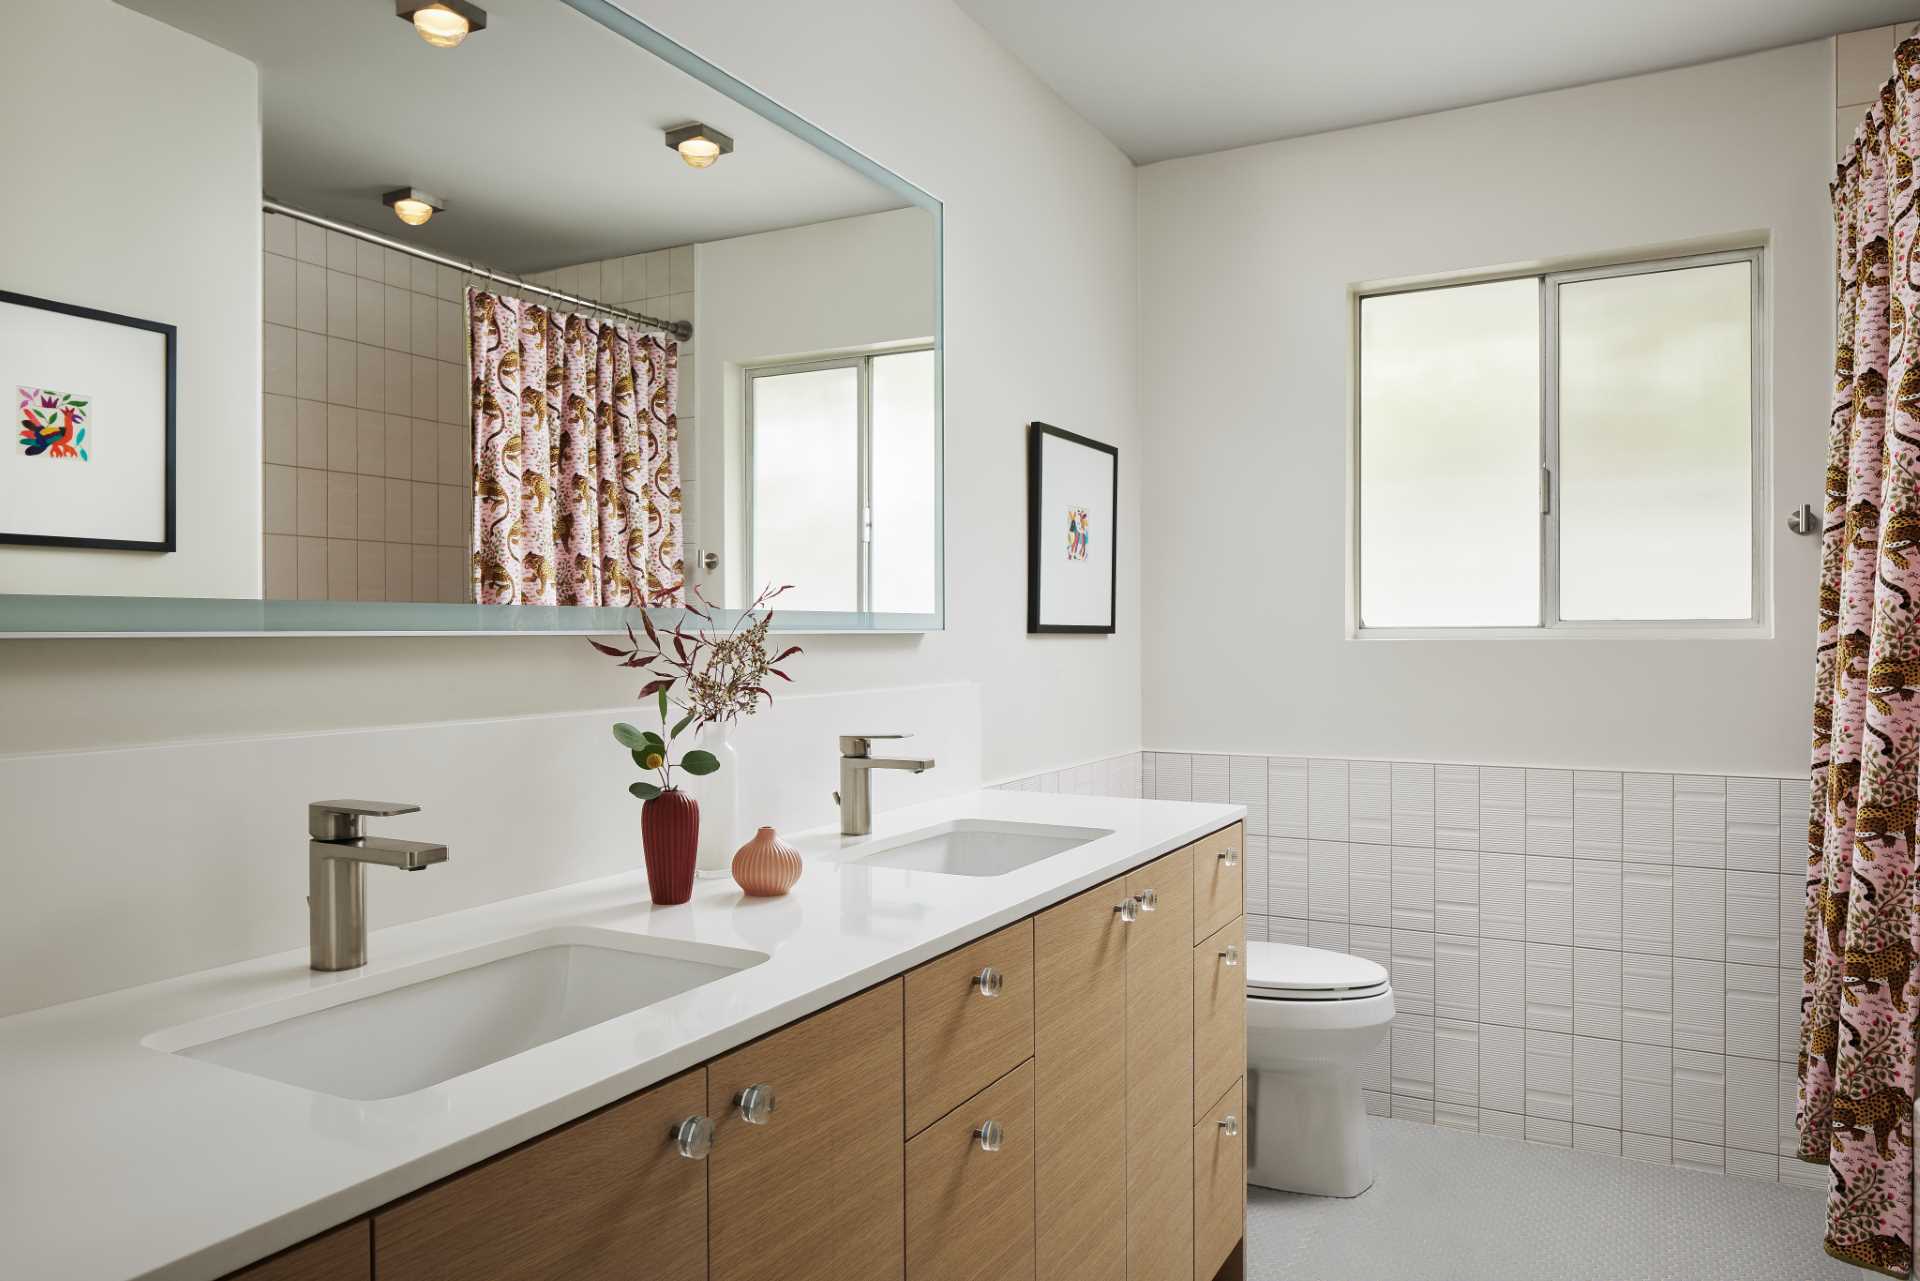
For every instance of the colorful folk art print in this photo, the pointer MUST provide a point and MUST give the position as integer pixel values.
(52, 424)
(1076, 533)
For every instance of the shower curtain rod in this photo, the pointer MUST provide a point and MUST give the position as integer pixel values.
(681, 329)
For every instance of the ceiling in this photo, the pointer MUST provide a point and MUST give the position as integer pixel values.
(542, 132)
(1205, 75)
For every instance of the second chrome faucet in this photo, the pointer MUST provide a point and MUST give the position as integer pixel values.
(857, 764)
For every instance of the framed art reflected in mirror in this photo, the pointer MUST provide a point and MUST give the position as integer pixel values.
(1073, 503)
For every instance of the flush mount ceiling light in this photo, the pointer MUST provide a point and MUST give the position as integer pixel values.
(699, 145)
(443, 23)
(412, 205)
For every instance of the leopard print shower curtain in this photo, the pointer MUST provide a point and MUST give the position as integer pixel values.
(1858, 1000)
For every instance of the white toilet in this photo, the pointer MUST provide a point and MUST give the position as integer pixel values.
(1312, 1016)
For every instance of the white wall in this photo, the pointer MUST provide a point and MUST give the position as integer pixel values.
(132, 196)
(1246, 261)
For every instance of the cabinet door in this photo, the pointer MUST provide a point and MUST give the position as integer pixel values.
(1219, 865)
(1219, 1013)
(970, 1209)
(1080, 1085)
(344, 1254)
(1219, 1182)
(963, 1034)
(1160, 1072)
(608, 1197)
(816, 1190)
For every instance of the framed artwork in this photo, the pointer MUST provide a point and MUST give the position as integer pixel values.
(1073, 506)
(90, 460)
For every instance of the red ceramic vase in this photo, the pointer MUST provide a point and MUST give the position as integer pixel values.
(670, 835)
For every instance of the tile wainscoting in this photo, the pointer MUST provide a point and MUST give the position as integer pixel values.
(1607, 961)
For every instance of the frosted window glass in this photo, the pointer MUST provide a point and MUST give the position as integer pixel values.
(1656, 431)
(1450, 457)
(904, 483)
(806, 474)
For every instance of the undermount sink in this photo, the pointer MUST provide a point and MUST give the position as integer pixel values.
(972, 847)
(393, 1033)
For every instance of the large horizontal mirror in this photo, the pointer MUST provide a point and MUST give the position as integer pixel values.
(532, 318)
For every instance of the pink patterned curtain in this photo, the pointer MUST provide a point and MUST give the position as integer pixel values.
(1859, 1002)
(576, 459)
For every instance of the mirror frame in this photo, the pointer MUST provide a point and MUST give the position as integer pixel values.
(48, 617)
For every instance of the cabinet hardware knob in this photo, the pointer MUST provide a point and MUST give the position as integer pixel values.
(1129, 910)
(693, 1138)
(1149, 900)
(990, 1136)
(1230, 955)
(989, 981)
(1230, 1125)
(756, 1104)
(1230, 856)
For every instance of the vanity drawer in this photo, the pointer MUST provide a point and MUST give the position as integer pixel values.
(1219, 1181)
(959, 1038)
(1219, 1013)
(1219, 861)
(970, 1213)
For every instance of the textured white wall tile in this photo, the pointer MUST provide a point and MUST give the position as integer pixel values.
(1456, 807)
(1327, 881)
(1412, 1054)
(1419, 1111)
(1287, 796)
(1503, 1070)
(1796, 803)
(1172, 776)
(1699, 1005)
(1327, 800)
(1546, 1130)
(1210, 783)
(1591, 1138)
(1788, 1145)
(1753, 824)
(1646, 817)
(1792, 896)
(1503, 982)
(1645, 1147)
(1456, 891)
(1413, 889)
(1550, 812)
(1369, 885)
(1413, 972)
(1700, 912)
(1753, 1010)
(1247, 785)
(1753, 1104)
(1549, 987)
(1456, 1063)
(1703, 1157)
(1379, 1102)
(1791, 983)
(1373, 943)
(1289, 877)
(1256, 875)
(1753, 918)
(1646, 998)
(1646, 908)
(1503, 895)
(1413, 804)
(1456, 977)
(1596, 904)
(1454, 1116)
(1331, 935)
(1699, 1097)
(1700, 820)
(1763, 1167)
(1596, 815)
(1370, 802)
(1596, 1082)
(1549, 1075)
(1502, 1124)
(1284, 929)
(1503, 810)
(1147, 775)
(1596, 993)
(1549, 900)
(1646, 1089)
(1258, 931)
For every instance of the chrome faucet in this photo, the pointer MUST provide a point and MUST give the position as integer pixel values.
(855, 796)
(338, 851)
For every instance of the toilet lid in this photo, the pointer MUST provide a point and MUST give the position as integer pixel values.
(1284, 969)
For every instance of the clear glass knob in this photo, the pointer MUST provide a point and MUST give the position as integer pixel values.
(990, 1136)
(1149, 900)
(1128, 909)
(989, 981)
(1229, 856)
(1230, 1125)
(1230, 955)
(693, 1138)
(756, 1104)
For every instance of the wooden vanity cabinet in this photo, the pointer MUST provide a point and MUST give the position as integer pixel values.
(970, 1202)
(1159, 1038)
(1219, 1013)
(969, 1022)
(1219, 879)
(344, 1254)
(1219, 1181)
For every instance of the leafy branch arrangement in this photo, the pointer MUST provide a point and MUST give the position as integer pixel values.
(707, 679)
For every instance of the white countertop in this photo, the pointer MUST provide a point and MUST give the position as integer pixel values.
(120, 1161)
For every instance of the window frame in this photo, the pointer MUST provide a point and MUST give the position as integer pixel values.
(862, 363)
(1757, 623)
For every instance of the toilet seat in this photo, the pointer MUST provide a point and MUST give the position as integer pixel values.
(1288, 972)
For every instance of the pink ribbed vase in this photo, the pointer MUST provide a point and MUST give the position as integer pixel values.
(766, 866)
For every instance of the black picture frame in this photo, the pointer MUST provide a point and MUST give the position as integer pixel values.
(1037, 432)
(168, 541)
